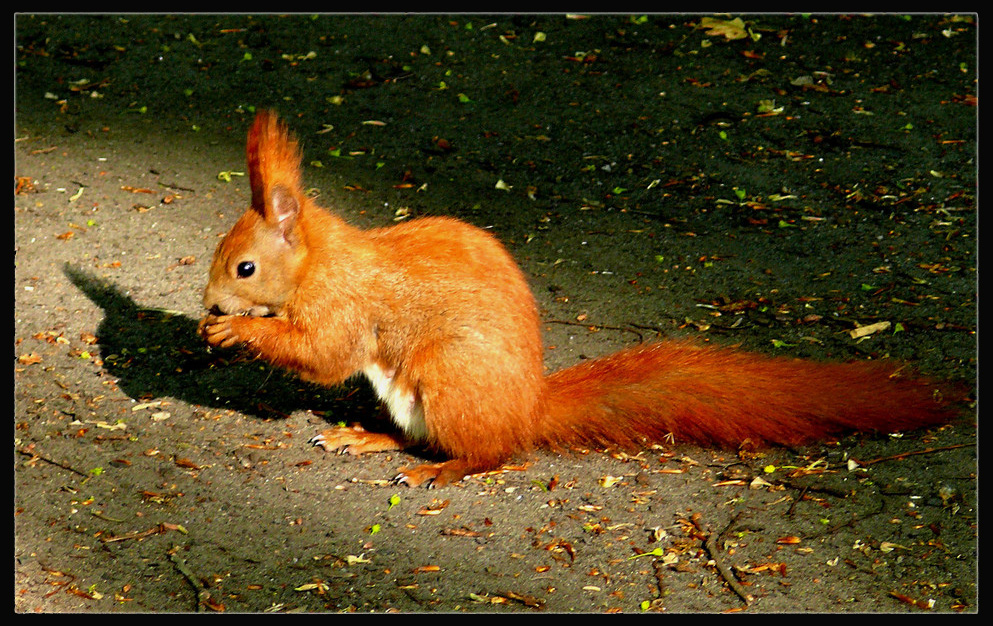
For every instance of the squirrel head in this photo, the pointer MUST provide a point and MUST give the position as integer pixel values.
(256, 266)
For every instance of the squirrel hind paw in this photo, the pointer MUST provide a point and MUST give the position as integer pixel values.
(433, 475)
(356, 440)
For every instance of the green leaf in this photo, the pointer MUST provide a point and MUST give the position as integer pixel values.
(655, 552)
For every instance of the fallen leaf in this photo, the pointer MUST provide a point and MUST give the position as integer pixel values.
(609, 481)
(29, 359)
(729, 29)
(865, 331)
(24, 185)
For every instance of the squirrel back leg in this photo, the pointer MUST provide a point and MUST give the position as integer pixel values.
(403, 406)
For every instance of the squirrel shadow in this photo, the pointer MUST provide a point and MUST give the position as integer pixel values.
(155, 353)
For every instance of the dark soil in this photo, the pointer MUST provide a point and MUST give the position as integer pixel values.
(653, 179)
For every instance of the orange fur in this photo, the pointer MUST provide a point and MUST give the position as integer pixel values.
(439, 317)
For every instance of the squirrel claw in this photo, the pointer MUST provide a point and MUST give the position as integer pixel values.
(320, 441)
(403, 479)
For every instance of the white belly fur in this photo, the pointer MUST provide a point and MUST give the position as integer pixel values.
(403, 404)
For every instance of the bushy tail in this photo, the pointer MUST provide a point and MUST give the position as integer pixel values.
(689, 393)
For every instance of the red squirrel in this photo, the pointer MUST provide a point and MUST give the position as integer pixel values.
(440, 319)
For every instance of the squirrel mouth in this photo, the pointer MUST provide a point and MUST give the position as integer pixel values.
(254, 311)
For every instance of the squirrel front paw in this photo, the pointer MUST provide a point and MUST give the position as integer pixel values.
(219, 330)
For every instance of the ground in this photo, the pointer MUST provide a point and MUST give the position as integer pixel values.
(772, 182)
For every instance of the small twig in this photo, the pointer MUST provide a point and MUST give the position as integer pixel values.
(725, 571)
(137, 534)
(203, 596)
(175, 186)
(35, 456)
(815, 488)
(803, 492)
(710, 544)
(659, 577)
(533, 602)
(911, 453)
(641, 338)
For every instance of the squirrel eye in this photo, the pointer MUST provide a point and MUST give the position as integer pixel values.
(246, 269)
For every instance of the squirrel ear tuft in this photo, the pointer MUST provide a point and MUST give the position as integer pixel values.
(273, 159)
